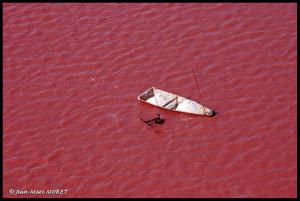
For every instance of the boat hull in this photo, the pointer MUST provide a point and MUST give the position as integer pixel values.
(173, 102)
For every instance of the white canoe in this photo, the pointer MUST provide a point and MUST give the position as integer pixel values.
(173, 102)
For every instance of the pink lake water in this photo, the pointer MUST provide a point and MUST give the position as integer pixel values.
(72, 74)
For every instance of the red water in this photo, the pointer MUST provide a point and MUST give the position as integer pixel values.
(72, 74)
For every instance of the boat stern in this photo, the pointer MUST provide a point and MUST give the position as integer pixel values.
(146, 94)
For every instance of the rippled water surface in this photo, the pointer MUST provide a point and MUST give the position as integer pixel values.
(72, 74)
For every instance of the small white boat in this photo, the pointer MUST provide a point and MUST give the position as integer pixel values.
(173, 102)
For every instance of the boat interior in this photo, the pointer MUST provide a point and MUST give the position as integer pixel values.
(172, 101)
(161, 98)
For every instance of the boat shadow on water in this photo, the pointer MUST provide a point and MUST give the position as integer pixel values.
(156, 120)
(159, 121)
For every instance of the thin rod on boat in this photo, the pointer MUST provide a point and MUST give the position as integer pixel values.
(198, 88)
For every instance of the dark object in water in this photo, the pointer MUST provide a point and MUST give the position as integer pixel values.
(156, 120)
